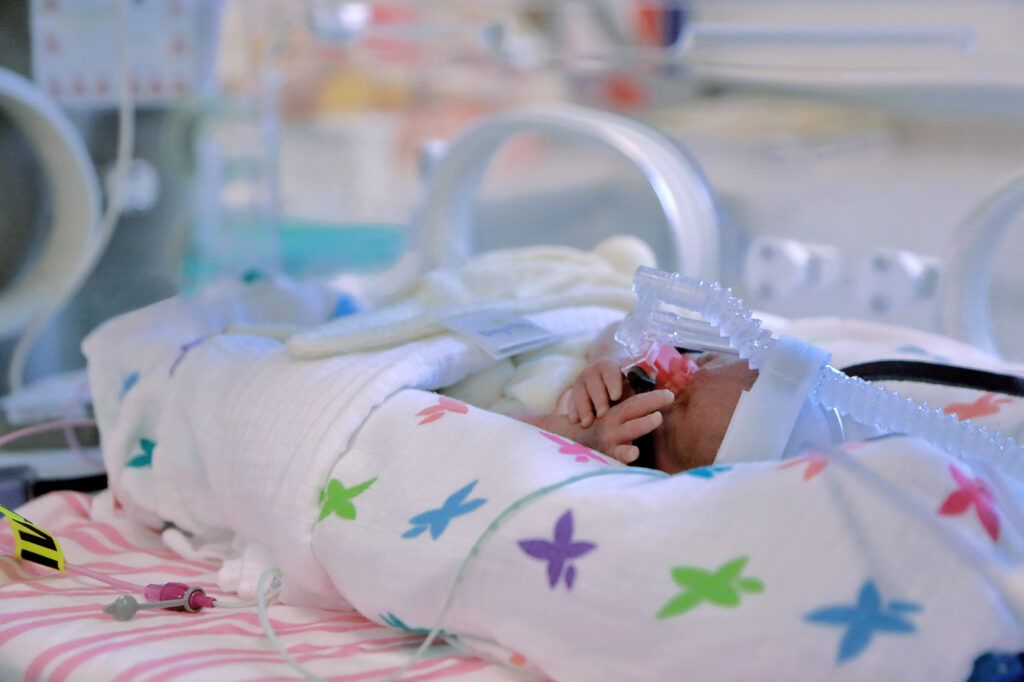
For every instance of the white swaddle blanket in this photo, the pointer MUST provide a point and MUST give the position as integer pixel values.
(512, 280)
(230, 438)
(891, 562)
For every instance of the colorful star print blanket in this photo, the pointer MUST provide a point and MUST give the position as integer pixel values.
(886, 561)
(226, 439)
(883, 561)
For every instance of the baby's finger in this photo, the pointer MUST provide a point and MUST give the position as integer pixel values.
(581, 401)
(635, 428)
(612, 376)
(643, 403)
(625, 453)
(598, 392)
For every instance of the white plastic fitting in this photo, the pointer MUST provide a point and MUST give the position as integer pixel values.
(775, 269)
(890, 280)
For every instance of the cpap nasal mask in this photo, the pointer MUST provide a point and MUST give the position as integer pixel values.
(798, 397)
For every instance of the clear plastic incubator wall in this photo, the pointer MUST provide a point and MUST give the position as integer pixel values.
(848, 160)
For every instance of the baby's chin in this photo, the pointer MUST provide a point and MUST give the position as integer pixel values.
(674, 462)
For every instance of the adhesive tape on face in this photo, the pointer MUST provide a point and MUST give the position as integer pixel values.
(775, 409)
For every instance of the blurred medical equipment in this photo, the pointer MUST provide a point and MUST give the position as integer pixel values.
(58, 278)
(817, 130)
(68, 170)
(792, 373)
(847, 153)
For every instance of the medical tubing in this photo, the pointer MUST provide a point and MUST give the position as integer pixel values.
(894, 413)
(262, 603)
(716, 305)
(474, 551)
(116, 583)
(1001, 579)
(106, 579)
(17, 435)
(95, 247)
(69, 430)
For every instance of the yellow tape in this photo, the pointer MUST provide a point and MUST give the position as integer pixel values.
(32, 543)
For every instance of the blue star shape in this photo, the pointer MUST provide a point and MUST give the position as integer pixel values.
(437, 520)
(708, 472)
(345, 305)
(128, 383)
(862, 620)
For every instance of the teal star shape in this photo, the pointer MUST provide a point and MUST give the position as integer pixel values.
(145, 458)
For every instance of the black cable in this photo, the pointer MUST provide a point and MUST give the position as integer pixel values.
(935, 373)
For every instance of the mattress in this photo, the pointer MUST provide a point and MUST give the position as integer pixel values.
(52, 626)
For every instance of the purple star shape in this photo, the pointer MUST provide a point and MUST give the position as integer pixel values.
(559, 552)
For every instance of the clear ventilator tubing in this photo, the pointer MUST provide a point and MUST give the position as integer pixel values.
(724, 315)
(655, 321)
(894, 413)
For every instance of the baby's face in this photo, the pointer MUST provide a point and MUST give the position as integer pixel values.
(694, 424)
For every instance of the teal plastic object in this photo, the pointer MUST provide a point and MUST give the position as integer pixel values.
(307, 249)
(311, 248)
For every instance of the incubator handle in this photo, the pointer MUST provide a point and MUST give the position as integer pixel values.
(966, 313)
(678, 183)
(75, 198)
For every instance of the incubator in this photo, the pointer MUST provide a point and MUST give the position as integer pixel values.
(825, 162)
(243, 175)
(828, 162)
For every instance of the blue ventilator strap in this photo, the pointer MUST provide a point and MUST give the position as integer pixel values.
(766, 414)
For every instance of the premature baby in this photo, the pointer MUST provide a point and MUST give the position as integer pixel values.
(686, 421)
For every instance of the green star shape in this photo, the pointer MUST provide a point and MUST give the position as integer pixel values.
(337, 499)
(721, 587)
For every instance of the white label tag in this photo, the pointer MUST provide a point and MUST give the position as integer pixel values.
(499, 333)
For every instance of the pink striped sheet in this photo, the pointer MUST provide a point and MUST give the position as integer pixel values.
(76, 502)
(399, 644)
(92, 536)
(52, 627)
(451, 665)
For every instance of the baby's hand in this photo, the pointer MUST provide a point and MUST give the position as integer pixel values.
(598, 385)
(634, 417)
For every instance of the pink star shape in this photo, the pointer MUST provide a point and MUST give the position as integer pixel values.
(972, 492)
(580, 452)
(443, 407)
(815, 462)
